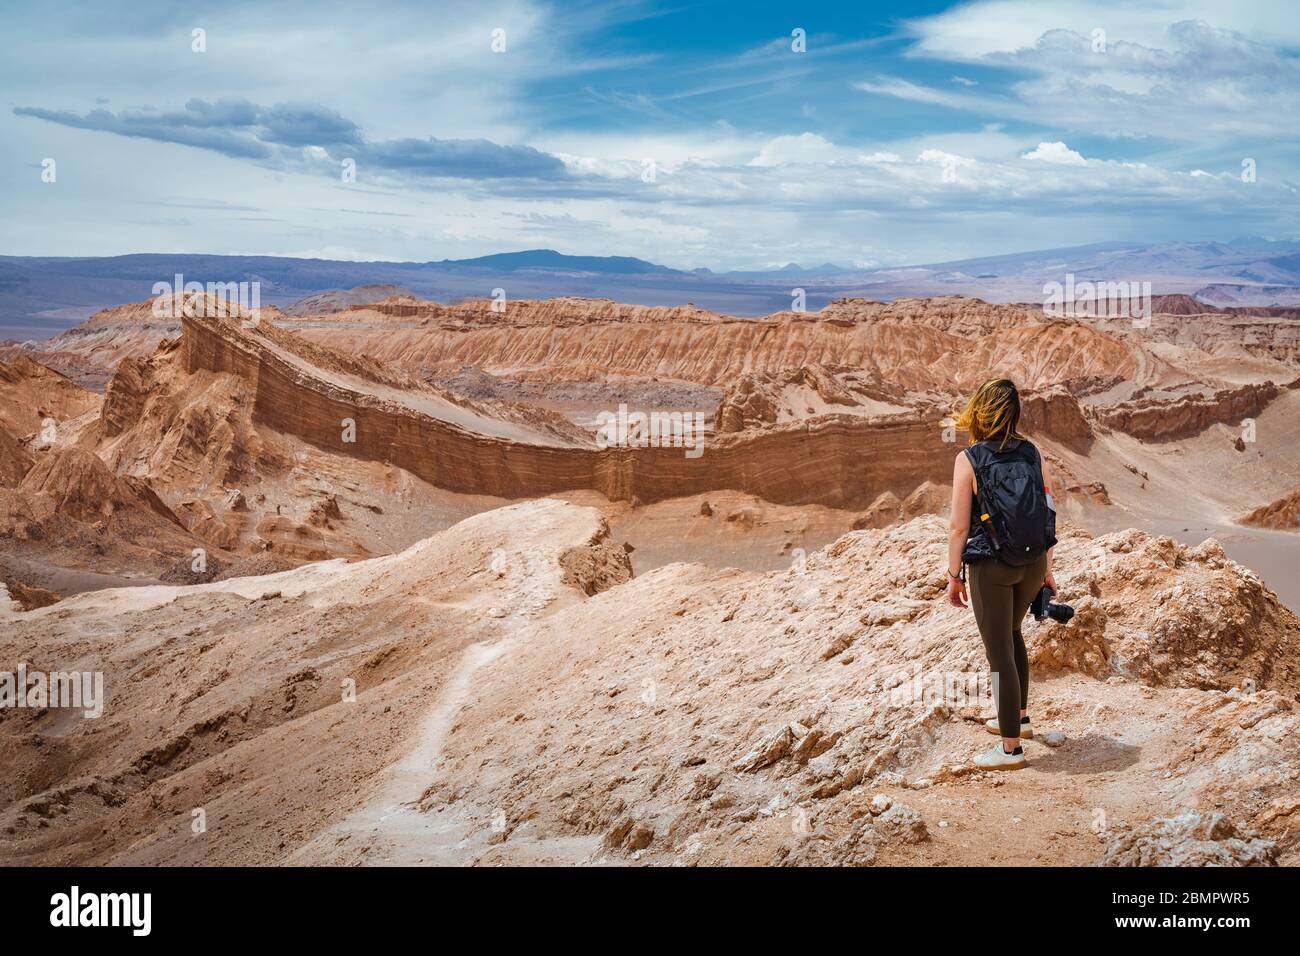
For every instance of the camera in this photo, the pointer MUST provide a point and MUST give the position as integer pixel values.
(1043, 608)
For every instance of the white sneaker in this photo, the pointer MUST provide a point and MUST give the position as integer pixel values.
(993, 727)
(999, 759)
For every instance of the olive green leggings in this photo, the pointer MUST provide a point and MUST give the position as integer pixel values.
(1000, 595)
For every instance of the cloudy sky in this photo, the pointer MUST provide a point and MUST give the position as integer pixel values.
(727, 135)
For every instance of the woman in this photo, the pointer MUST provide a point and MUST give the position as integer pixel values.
(1000, 590)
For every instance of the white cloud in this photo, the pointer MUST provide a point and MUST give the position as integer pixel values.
(885, 203)
(907, 90)
(1189, 80)
(804, 148)
(726, 194)
(943, 158)
(1057, 153)
(974, 31)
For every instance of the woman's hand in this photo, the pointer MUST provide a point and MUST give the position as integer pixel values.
(1050, 581)
(957, 592)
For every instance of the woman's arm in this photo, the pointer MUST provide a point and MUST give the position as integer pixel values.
(963, 487)
(1050, 581)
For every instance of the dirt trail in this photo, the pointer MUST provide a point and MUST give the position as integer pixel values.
(389, 829)
(1117, 760)
(1118, 757)
(692, 716)
(284, 705)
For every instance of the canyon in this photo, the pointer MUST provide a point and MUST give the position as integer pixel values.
(379, 545)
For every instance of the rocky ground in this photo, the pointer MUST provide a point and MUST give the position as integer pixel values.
(271, 703)
(720, 717)
(521, 699)
(627, 656)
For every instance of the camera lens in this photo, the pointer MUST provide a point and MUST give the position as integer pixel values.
(1060, 613)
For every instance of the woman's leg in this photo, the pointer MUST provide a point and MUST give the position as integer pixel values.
(1022, 669)
(992, 597)
(1024, 593)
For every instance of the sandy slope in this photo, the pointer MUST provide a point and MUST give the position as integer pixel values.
(230, 697)
(688, 715)
(722, 717)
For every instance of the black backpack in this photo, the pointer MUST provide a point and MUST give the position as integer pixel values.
(1015, 521)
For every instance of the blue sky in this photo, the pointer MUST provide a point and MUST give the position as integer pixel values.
(692, 134)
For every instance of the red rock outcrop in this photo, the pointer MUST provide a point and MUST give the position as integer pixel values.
(194, 434)
(71, 511)
(80, 486)
(31, 394)
(757, 399)
(1283, 514)
(1054, 413)
(840, 460)
(14, 460)
(946, 343)
(1165, 420)
(940, 344)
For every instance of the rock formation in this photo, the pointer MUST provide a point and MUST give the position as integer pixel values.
(32, 397)
(1156, 420)
(14, 460)
(394, 606)
(337, 300)
(71, 511)
(1056, 414)
(806, 392)
(819, 715)
(466, 448)
(1283, 514)
(1189, 839)
(233, 401)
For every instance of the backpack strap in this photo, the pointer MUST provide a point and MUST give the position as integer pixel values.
(984, 517)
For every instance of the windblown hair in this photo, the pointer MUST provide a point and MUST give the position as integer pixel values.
(993, 412)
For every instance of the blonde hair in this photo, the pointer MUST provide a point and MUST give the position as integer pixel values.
(992, 412)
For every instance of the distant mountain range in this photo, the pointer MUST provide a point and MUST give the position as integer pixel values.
(41, 296)
(550, 259)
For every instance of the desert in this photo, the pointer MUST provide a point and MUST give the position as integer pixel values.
(514, 435)
(487, 637)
